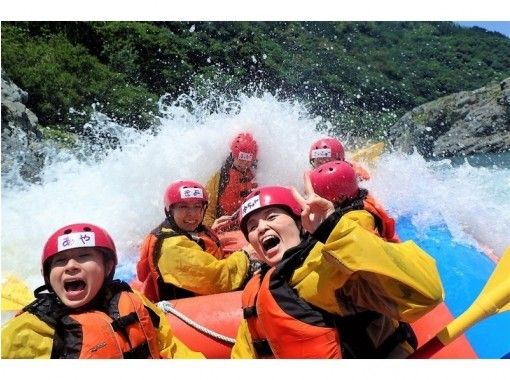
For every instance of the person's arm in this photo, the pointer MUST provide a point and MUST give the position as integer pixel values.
(212, 188)
(170, 346)
(26, 337)
(361, 173)
(399, 280)
(223, 222)
(183, 263)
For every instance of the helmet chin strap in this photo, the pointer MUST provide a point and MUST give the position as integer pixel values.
(171, 219)
(110, 276)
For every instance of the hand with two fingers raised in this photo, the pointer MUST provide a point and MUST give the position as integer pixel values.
(315, 208)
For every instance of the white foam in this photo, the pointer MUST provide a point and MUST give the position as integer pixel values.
(123, 191)
(473, 202)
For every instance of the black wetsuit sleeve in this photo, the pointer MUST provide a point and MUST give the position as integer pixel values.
(324, 230)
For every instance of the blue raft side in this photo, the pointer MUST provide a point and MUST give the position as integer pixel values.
(464, 271)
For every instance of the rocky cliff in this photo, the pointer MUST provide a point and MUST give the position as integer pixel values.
(21, 138)
(464, 123)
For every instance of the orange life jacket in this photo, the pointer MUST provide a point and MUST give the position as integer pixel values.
(152, 285)
(233, 188)
(384, 222)
(125, 328)
(282, 325)
(249, 305)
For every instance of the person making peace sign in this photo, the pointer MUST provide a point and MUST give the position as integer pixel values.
(330, 286)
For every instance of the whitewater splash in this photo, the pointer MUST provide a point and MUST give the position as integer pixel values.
(472, 202)
(121, 189)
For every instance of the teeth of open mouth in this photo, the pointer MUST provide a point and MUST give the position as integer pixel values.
(270, 241)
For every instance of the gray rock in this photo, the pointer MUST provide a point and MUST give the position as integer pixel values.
(12, 92)
(464, 123)
(21, 138)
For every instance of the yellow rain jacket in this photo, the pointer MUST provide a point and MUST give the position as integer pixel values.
(183, 263)
(26, 336)
(357, 270)
(213, 188)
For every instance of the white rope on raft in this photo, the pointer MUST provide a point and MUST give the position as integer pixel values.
(167, 307)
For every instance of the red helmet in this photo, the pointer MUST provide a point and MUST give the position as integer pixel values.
(244, 147)
(77, 235)
(184, 191)
(327, 147)
(268, 196)
(334, 179)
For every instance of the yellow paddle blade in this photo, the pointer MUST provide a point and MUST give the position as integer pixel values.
(500, 276)
(493, 299)
(15, 294)
(369, 154)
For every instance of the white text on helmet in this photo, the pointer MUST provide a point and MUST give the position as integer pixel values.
(191, 193)
(245, 156)
(250, 205)
(76, 240)
(321, 153)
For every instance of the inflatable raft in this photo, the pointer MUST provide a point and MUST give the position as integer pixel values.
(218, 317)
(213, 320)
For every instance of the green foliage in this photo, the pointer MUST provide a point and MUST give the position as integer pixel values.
(61, 78)
(63, 138)
(359, 75)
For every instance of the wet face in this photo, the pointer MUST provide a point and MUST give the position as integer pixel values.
(188, 215)
(77, 275)
(271, 232)
(242, 165)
